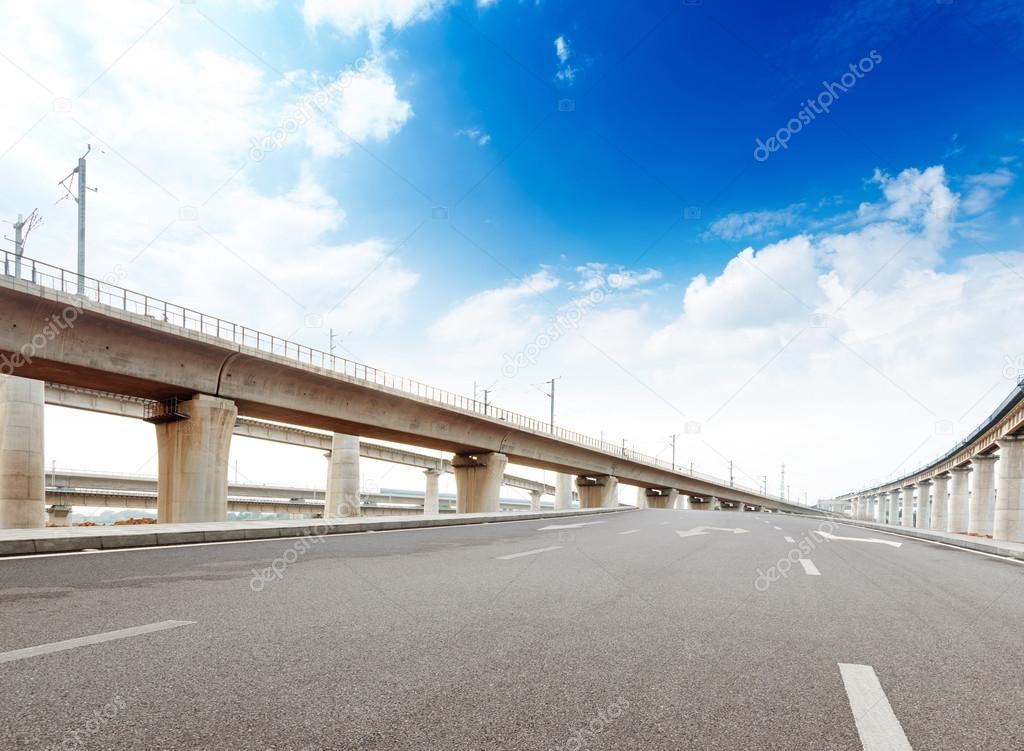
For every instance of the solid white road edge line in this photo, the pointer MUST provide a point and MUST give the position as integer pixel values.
(60, 646)
(877, 725)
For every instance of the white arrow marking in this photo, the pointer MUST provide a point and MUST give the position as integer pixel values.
(568, 526)
(702, 531)
(827, 536)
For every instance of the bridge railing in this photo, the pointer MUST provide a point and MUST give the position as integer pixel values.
(107, 293)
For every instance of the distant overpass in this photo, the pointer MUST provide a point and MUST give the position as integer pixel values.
(202, 373)
(976, 487)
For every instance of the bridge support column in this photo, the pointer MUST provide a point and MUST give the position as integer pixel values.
(431, 502)
(478, 480)
(894, 507)
(22, 459)
(598, 492)
(907, 519)
(193, 461)
(880, 508)
(641, 498)
(660, 497)
(856, 514)
(343, 477)
(924, 511)
(958, 519)
(940, 504)
(982, 495)
(59, 516)
(563, 492)
(535, 500)
(1008, 521)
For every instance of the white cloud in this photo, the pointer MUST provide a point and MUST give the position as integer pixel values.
(985, 189)
(474, 134)
(563, 50)
(740, 225)
(366, 108)
(352, 16)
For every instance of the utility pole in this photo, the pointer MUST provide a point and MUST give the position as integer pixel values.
(765, 478)
(730, 473)
(80, 200)
(331, 334)
(782, 483)
(551, 395)
(22, 228)
(674, 436)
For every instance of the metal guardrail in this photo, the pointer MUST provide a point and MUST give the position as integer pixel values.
(49, 276)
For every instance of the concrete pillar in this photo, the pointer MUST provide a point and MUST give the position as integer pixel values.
(672, 498)
(907, 519)
(59, 516)
(958, 519)
(535, 500)
(924, 512)
(880, 508)
(855, 508)
(343, 477)
(894, 507)
(22, 461)
(1008, 521)
(983, 495)
(684, 502)
(641, 498)
(478, 480)
(940, 504)
(598, 492)
(431, 503)
(563, 492)
(192, 485)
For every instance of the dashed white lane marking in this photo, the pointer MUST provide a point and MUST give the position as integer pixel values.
(877, 725)
(664, 523)
(84, 641)
(809, 568)
(776, 528)
(568, 526)
(528, 552)
(629, 531)
(789, 539)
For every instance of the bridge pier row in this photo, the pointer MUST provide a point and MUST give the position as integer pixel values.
(22, 458)
(535, 500)
(598, 492)
(1008, 522)
(959, 516)
(193, 461)
(478, 480)
(563, 492)
(924, 511)
(431, 496)
(982, 495)
(894, 507)
(940, 504)
(342, 497)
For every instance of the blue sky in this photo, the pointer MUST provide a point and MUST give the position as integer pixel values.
(577, 149)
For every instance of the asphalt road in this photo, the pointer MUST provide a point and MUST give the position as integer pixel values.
(451, 638)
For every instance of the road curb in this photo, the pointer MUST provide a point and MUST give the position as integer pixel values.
(51, 540)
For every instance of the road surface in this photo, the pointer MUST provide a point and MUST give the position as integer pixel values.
(610, 633)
